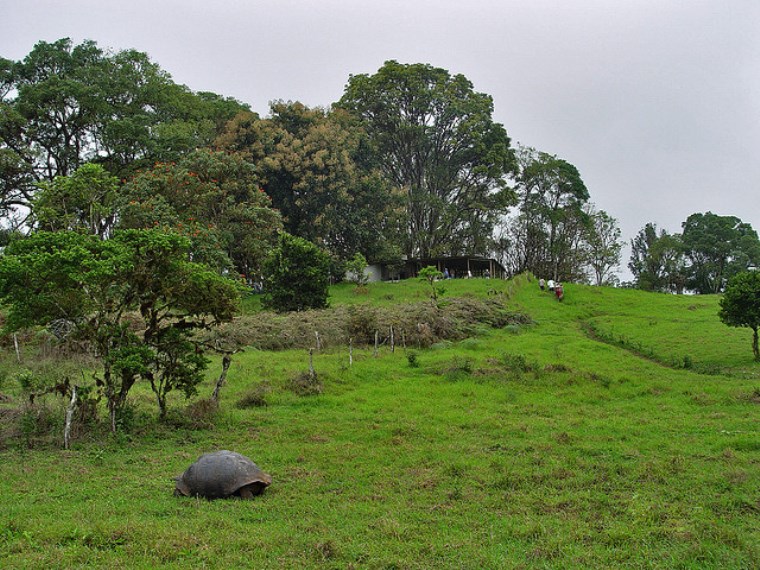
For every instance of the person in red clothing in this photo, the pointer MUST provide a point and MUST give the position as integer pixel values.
(559, 291)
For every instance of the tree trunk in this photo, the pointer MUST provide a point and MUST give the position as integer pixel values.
(226, 360)
(69, 416)
(110, 397)
(755, 348)
(161, 406)
(112, 415)
(15, 345)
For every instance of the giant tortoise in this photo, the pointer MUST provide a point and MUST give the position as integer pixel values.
(222, 474)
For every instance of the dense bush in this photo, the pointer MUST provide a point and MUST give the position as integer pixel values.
(296, 276)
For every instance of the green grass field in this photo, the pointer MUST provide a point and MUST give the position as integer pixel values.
(620, 430)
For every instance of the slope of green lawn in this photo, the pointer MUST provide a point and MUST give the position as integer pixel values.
(556, 445)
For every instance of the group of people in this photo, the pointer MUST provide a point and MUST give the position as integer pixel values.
(553, 287)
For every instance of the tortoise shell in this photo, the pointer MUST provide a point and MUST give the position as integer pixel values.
(222, 474)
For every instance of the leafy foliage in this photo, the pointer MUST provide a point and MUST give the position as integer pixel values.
(318, 168)
(740, 305)
(431, 276)
(717, 248)
(64, 105)
(657, 260)
(101, 286)
(296, 275)
(603, 245)
(356, 270)
(437, 141)
(214, 199)
(84, 201)
(548, 234)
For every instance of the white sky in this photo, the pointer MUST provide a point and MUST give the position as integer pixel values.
(656, 102)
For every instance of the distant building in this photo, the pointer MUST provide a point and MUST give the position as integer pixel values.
(458, 267)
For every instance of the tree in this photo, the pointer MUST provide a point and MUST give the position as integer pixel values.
(296, 276)
(740, 305)
(431, 276)
(317, 167)
(551, 224)
(355, 269)
(657, 260)
(65, 105)
(98, 288)
(718, 247)
(603, 245)
(84, 201)
(436, 140)
(214, 199)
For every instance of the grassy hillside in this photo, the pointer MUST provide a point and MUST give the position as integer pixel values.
(618, 430)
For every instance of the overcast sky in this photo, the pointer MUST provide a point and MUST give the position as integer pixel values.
(656, 102)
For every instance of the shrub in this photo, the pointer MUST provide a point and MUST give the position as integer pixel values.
(202, 413)
(355, 270)
(296, 276)
(306, 384)
(256, 397)
(517, 363)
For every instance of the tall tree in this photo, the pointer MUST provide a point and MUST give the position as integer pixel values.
(552, 223)
(657, 260)
(603, 245)
(65, 105)
(317, 167)
(214, 199)
(437, 141)
(717, 248)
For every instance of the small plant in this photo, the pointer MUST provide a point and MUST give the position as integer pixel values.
(459, 368)
(517, 363)
(356, 270)
(412, 359)
(29, 381)
(256, 397)
(202, 413)
(431, 276)
(306, 384)
(36, 421)
(125, 418)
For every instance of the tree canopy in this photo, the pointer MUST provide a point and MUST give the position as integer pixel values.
(551, 220)
(64, 105)
(657, 260)
(703, 258)
(211, 197)
(98, 287)
(740, 305)
(322, 177)
(436, 140)
(718, 247)
(603, 245)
